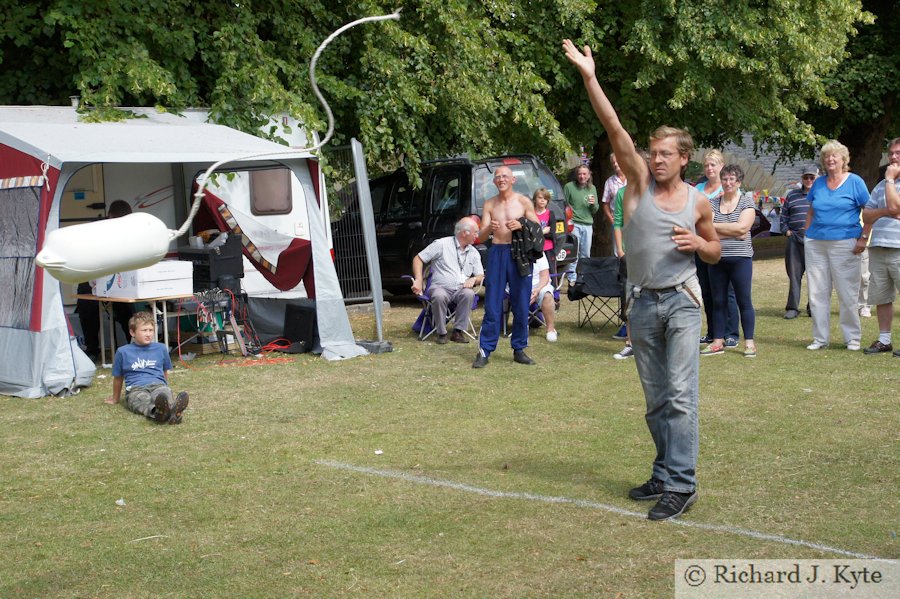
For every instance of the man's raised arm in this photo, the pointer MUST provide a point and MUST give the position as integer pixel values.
(630, 161)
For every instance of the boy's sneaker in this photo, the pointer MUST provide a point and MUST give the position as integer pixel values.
(816, 345)
(705, 339)
(181, 403)
(161, 412)
(622, 333)
(731, 342)
(652, 489)
(672, 505)
(626, 353)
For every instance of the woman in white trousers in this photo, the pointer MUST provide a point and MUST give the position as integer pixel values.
(834, 243)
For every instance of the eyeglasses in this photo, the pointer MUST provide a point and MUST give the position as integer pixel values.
(809, 176)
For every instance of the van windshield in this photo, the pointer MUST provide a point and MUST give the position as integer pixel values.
(528, 179)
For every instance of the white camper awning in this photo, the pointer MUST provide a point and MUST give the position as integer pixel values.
(57, 134)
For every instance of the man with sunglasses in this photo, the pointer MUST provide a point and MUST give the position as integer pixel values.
(793, 224)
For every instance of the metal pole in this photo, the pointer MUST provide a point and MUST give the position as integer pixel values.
(368, 224)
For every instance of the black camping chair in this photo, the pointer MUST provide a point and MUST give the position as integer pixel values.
(599, 290)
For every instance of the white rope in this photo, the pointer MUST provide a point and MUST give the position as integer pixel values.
(204, 179)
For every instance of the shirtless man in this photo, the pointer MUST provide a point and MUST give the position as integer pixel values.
(665, 223)
(499, 219)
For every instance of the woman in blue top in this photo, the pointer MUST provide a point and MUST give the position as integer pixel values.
(833, 246)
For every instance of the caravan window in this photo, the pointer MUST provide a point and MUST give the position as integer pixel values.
(270, 191)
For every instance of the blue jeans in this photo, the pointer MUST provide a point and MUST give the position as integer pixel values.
(664, 330)
(732, 318)
(502, 271)
(585, 236)
(733, 273)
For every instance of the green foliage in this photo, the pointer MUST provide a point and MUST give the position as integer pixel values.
(866, 87)
(451, 76)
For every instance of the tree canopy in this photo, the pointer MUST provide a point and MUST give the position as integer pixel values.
(866, 92)
(451, 76)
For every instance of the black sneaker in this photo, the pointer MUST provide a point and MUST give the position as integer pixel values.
(480, 361)
(161, 410)
(652, 489)
(672, 505)
(181, 403)
(521, 357)
(878, 347)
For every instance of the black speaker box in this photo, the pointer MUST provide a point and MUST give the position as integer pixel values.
(300, 325)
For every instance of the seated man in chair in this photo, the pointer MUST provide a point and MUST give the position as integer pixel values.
(455, 273)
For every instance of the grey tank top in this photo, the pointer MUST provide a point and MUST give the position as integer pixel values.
(653, 260)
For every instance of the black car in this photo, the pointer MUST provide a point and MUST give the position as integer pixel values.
(407, 219)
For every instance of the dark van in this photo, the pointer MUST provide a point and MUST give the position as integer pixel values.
(407, 220)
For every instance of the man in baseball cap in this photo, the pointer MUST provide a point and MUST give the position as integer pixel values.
(793, 224)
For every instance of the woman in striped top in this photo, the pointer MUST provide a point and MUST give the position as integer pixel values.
(733, 216)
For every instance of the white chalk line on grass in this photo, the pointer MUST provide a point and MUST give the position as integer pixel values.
(449, 484)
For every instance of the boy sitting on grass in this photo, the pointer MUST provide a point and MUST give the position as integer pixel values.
(143, 366)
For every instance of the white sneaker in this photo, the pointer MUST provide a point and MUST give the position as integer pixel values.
(626, 353)
(853, 346)
(865, 311)
(552, 336)
(816, 345)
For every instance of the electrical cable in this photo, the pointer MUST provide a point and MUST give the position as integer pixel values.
(204, 179)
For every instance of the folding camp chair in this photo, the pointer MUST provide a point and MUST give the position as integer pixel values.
(599, 290)
(424, 324)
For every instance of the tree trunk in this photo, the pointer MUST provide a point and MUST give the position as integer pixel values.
(866, 144)
(601, 170)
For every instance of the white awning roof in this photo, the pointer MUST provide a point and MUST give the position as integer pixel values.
(57, 134)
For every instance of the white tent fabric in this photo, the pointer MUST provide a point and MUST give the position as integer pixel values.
(40, 358)
(57, 134)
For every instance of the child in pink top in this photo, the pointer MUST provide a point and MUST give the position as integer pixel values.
(541, 201)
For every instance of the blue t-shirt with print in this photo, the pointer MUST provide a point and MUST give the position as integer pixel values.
(142, 365)
(836, 212)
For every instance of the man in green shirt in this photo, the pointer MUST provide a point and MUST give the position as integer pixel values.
(581, 197)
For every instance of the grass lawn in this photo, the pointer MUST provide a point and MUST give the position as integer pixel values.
(410, 474)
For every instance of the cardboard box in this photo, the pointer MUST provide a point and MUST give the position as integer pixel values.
(100, 287)
(169, 277)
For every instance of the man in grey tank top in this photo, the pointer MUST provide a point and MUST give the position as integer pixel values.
(664, 223)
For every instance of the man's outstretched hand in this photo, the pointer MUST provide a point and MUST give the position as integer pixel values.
(583, 60)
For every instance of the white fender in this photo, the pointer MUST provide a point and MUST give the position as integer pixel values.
(84, 252)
